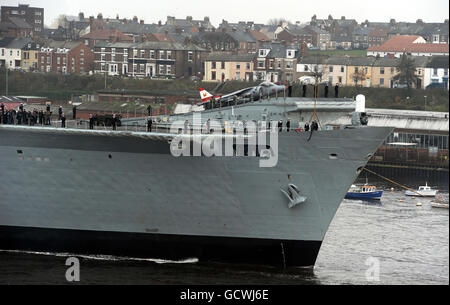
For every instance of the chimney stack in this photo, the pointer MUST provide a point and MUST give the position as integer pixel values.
(141, 21)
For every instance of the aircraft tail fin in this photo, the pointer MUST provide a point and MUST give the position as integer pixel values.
(205, 95)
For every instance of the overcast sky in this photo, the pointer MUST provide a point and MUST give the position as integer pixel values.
(245, 10)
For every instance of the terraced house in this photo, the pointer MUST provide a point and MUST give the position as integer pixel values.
(224, 66)
(11, 52)
(276, 62)
(150, 59)
(30, 54)
(65, 57)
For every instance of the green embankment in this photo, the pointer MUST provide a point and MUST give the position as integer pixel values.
(58, 87)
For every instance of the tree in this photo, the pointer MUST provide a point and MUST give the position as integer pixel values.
(407, 74)
(358, 76)
(277, 21)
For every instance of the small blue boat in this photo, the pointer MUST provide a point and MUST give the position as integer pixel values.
(364, 192)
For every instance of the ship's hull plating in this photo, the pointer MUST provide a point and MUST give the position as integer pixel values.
(124, 193)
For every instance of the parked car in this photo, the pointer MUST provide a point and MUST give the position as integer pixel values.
(435, 85)
(400, 86)
(307, 80)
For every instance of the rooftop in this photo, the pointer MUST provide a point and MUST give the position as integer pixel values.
(408, 43)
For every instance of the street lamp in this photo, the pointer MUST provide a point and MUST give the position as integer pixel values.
(425, 108)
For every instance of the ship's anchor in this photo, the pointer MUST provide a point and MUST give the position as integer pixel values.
(293, 194)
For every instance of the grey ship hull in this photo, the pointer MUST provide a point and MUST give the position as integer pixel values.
(124, 193)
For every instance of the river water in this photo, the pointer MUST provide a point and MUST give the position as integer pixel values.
(392, 241)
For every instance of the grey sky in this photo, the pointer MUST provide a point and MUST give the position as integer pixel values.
(243, 10)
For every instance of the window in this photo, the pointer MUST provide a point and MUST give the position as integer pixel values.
(261, 64)
(134, 68)
(279, 64)
(247, 66)
(222, 65)
(331, 69)
(135, 52)
(435, 71)
(82, 52)
(81, 61)
(152, 54)
(161, 54)
(142, 53)
(113, 50)
(381, 70)
(58, 61)
(238, 66)
(356, 69)
(102, 57)
(419, 71)
(169, 54)
(261, 52)
(445, 72)
(125, 58)
(213, 65)
(3, 52)
(288, 64)
(169, 69)
(37, 21)
(42, 59)
(64, 61)
(73, 61)
(48, 59)
(342, 69)
(161, 69)
(330, 79)
(102, 67)
(103, 50)
(340, 79)
(48, 69)
(213, 75)
(142, 70)
(10, 52)
(113, 57)
(86, 42)
(392, 70)
(381, 81)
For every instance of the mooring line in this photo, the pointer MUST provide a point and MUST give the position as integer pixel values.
(392, 181)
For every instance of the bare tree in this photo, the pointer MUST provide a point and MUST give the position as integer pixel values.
(277, 21)
(358, 76)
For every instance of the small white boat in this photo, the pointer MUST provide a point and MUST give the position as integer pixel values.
(439, 205)
(425, 190)
(440, 202)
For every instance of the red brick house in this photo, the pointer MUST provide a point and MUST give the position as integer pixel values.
(295, 35)
(377, 37)
(66, 57)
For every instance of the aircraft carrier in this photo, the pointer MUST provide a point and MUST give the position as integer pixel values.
(124, 193)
